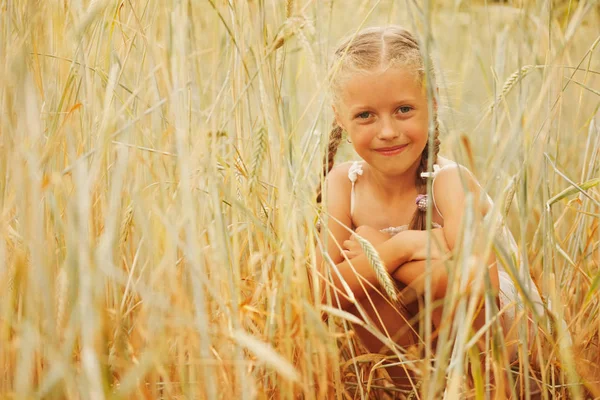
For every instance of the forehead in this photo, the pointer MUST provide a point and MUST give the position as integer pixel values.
(370, 88)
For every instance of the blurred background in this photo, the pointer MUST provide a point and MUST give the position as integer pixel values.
(158, 165)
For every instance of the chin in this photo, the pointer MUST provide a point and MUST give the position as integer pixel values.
(392, 169)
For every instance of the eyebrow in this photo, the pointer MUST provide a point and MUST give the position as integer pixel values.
(364, 107)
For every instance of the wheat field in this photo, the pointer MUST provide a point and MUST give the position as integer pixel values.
(159, 161)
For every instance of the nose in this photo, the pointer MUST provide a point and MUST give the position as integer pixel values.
(388, 130)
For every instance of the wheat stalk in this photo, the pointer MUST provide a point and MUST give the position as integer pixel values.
(258, 155)
(289, 8)
(512, 80)
(126, 224)
(212, 299)
(383, 277)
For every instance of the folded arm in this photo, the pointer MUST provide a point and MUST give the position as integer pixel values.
(451, 188)
(357, 271)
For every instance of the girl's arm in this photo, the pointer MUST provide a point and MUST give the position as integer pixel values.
(358, 271)
(393, 252)
(412, 274)
(451, 188)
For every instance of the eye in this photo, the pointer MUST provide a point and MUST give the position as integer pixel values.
(405, 109)
(363, 115)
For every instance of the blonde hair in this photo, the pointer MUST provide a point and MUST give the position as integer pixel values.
(367, 50)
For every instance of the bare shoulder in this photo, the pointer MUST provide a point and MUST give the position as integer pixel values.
(338, 185)
(338, 176)
(337, 201)
(451, 172)
(452, 183)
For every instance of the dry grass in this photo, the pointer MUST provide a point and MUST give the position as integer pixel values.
(159, 161)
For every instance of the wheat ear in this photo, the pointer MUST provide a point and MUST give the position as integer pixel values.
(384, 279)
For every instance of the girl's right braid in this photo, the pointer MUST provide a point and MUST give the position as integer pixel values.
(335, 138)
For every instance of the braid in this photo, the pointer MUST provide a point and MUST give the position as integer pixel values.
(335, 138)
(419, 219)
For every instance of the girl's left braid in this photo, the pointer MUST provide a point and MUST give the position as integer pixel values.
(335, 138)
(419, 220)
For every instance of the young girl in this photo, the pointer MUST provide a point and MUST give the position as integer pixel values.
(381, 104)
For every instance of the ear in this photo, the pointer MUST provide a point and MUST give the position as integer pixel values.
(338, 119)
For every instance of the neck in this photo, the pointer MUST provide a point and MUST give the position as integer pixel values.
(395, 186)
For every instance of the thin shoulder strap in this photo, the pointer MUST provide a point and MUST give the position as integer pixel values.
(436, 171)
(353, 172)
(433, 197)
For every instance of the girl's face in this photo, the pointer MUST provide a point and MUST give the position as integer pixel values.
(385, 114)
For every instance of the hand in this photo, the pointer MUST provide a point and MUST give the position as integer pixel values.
(439, 247)
(352, 247)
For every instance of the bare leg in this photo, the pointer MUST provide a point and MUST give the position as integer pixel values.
(393, 321)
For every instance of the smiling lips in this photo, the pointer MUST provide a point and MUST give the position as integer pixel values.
(391, 151)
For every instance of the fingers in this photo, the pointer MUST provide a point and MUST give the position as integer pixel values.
(349, 254)
(351, 248)
(361, 229)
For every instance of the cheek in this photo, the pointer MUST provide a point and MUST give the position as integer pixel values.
(362, 137)
(416, 130)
